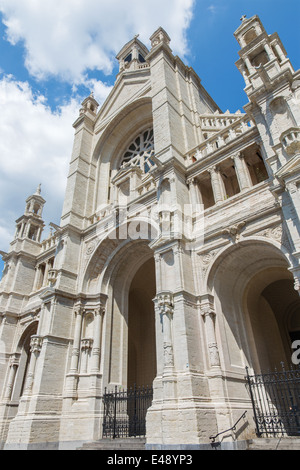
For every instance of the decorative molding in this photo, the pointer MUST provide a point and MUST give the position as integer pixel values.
(87, 344)
(207, 260)
(165, 303)
(36, 343)
(234, 231)
(276, 233)
(90, 248)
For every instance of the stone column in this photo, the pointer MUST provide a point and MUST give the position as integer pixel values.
(13, 367)
(244, 73)
(86, 346)
(35, 349)
(249, 66)
(292, 218)
(165, 303)
(96, 354)
(195, 193)
(217, 185)
(157, 258)
(269, 51)
(36, 278)
(77, 337)
(209, 316)
(242, 171)
(280, 52)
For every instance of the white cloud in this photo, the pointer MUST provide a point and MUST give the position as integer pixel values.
(65, 39)
(69, 37)
(35, 147)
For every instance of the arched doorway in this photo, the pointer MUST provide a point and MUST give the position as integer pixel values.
(131, 363)
(141, 327)
(256, 307)
(24, 349)
(272, 303)
(253, 291)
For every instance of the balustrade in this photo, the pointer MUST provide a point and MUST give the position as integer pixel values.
(222, 137)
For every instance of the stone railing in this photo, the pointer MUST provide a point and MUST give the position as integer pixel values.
(102, 214)
(145, 187)
(219, 140)
(290, 140)
(143, 66)
(219, 121)
(50, 242)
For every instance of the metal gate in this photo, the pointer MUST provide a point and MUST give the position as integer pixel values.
(275, 399)
(125, 412)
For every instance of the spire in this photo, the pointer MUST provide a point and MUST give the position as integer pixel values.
(132, 55)
(38, 191)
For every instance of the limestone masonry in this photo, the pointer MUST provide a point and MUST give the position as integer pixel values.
(176, 262)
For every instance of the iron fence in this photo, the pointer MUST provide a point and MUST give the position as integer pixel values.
(125, 412)
(275, 399)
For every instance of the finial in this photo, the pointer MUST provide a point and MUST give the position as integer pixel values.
(136, 36)
(38, 191)
(243, 18)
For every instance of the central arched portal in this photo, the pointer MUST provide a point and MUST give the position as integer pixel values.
(141, 327)
(132, 339)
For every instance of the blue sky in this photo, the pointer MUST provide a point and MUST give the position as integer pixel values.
(53, 54)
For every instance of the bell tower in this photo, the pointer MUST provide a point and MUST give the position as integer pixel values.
(30, 225)
(20, 261)
(273, 89)
(263, 58)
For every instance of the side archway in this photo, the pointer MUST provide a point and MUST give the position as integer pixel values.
(253, 291)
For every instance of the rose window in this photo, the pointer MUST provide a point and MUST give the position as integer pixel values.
(140, 151)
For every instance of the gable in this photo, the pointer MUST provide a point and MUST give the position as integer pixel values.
(126, 91)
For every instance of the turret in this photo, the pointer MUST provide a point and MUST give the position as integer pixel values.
(263, 59)
(30, 225)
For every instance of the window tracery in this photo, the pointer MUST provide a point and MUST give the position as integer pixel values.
(140, 151)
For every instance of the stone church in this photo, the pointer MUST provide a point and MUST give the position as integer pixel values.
(175, 269)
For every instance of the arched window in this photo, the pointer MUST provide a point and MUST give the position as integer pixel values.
(25, 354)
(250, 36)
(140, 151)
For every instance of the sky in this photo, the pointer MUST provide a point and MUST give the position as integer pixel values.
(54, 54)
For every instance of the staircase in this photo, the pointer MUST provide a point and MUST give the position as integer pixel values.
(279, 443)
(116, 444)
(130, 444)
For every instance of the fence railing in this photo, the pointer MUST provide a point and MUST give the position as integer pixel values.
(275, 400)
(125, 412)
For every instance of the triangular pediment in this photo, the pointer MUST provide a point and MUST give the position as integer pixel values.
(128, 89)
(135, 42)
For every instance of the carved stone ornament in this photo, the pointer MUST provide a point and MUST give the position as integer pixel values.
(165, 302)
(52, 277)
(214, 356)
(207, 260)
(86, 344)
(168, 355)
(277, 234)
(90, 248)
(14, 360)
(36, 344)
(234, 232)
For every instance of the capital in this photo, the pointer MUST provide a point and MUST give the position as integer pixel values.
(36, 343)
(165, 302)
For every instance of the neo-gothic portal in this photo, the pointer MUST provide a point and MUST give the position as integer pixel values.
(175, 264)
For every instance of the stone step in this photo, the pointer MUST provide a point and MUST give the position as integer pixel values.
(116, 444)
(279, 443)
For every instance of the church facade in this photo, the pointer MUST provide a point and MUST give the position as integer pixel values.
(176, 262)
